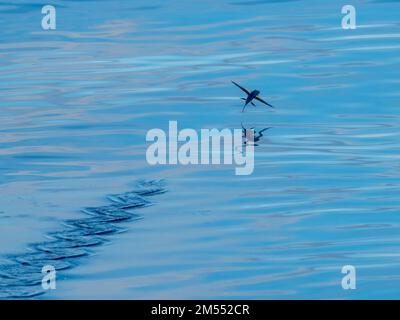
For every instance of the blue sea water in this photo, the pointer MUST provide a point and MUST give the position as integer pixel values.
(76, 104)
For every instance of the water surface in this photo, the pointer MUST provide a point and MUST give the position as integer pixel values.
(76, 103)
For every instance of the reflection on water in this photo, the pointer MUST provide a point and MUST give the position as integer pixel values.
(77, 102)
(252, 135)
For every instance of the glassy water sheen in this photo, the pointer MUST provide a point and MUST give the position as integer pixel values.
(76, 103)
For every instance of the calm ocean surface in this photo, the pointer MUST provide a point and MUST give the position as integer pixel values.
(77, 102)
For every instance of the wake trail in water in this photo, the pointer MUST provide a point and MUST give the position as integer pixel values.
(22, 276)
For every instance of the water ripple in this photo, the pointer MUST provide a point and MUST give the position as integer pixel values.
(20, 278)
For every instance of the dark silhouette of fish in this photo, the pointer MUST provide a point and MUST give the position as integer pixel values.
(251, 96)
